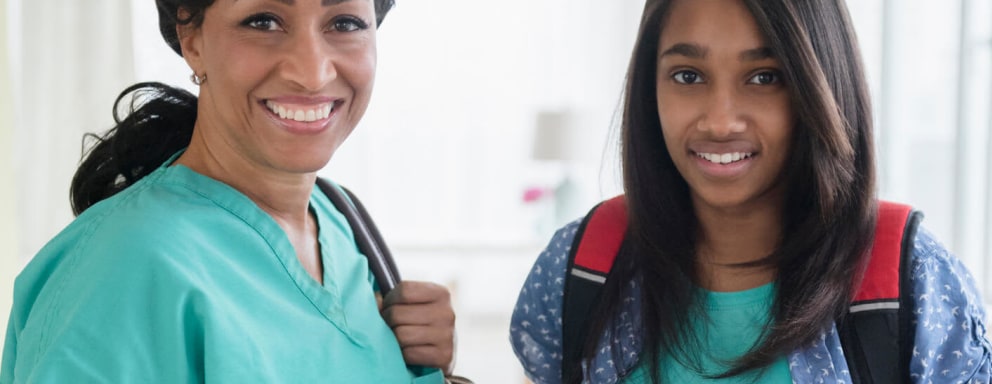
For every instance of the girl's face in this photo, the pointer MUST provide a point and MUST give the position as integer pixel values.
(725, 114)
(287, 80)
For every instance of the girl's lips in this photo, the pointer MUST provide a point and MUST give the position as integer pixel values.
(724, 158)
(724, 165)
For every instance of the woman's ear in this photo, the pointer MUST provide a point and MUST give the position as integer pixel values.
(190, 43)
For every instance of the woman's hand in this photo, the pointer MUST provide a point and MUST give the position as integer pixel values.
(421, 316)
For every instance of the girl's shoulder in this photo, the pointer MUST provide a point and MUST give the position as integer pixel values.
(949, 317)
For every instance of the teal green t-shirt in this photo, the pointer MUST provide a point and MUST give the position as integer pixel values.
(736, 320)
(182, 279)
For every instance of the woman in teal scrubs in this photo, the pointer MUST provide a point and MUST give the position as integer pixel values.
(202, 251)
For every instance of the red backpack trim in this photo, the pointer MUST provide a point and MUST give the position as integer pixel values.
(595, 254)
(883, 267)
(874, 334)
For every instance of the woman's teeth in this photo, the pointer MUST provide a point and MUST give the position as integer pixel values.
(724, 158)
(300, 114)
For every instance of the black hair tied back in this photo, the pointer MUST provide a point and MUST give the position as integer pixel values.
(157, 122)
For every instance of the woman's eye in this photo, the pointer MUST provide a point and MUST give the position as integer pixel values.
(262, 22)
(687, 77)
(765, 78)
(348, 24)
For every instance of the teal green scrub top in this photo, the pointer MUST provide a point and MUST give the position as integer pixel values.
(180, 279)
(735, 322)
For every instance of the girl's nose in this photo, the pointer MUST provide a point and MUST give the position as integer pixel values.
(722, 116)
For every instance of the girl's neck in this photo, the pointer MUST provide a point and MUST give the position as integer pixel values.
(729, 238)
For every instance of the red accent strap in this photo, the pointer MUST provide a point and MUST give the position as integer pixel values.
(881, 279)
(607, 225)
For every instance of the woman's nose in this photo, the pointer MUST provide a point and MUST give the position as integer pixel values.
(309, 61)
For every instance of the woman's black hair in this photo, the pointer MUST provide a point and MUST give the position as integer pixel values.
(168, 16)
(829, 210)
(154, 124)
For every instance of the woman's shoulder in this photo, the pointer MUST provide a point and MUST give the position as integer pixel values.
(153, 224)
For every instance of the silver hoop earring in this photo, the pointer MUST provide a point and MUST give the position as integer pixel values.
(198, 80)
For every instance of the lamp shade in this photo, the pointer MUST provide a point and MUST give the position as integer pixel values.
(552, 136)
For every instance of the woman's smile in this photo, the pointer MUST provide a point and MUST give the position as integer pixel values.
(308, 117)
(307, 113)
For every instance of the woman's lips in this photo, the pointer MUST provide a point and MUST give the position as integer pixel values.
(304, 113)
(307, 119)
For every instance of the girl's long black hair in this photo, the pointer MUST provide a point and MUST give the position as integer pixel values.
(829, 211)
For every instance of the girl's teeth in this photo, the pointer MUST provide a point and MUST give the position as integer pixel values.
(725, 158)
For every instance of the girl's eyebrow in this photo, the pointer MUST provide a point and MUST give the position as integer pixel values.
(692, 51)
(757, 54)
(695, 51)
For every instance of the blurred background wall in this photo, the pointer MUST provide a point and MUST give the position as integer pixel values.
(9, 261)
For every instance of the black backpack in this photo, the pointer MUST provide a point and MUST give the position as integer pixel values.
(876, 333)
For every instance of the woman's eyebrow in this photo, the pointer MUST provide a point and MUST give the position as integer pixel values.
(324, 3)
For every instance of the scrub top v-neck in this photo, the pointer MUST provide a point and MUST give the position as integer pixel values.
(181, 278)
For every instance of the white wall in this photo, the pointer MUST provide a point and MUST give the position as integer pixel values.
(74, 59)
(933, 94)
(9, 262)
(443, 154)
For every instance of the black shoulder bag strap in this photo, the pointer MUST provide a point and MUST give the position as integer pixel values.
(877, 333)
(370, 243)
(596, 245)
(369, 240)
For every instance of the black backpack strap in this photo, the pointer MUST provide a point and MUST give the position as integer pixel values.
(590, 259)
(877, 333)
(369, 240)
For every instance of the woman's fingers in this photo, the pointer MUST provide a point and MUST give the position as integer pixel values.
(423, 321)
(428, 356)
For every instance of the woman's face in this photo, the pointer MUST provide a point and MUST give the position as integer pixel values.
(287, 80)
(725, 114)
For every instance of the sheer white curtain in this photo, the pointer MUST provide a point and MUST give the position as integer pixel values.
(72, 59)
(9, 263)
(933, 93)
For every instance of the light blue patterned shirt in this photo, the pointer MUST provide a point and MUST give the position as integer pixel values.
(950, 345)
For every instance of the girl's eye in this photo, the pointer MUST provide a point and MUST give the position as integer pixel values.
(262, 22)
(687, 77)
(348, 24)
(765, 78)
